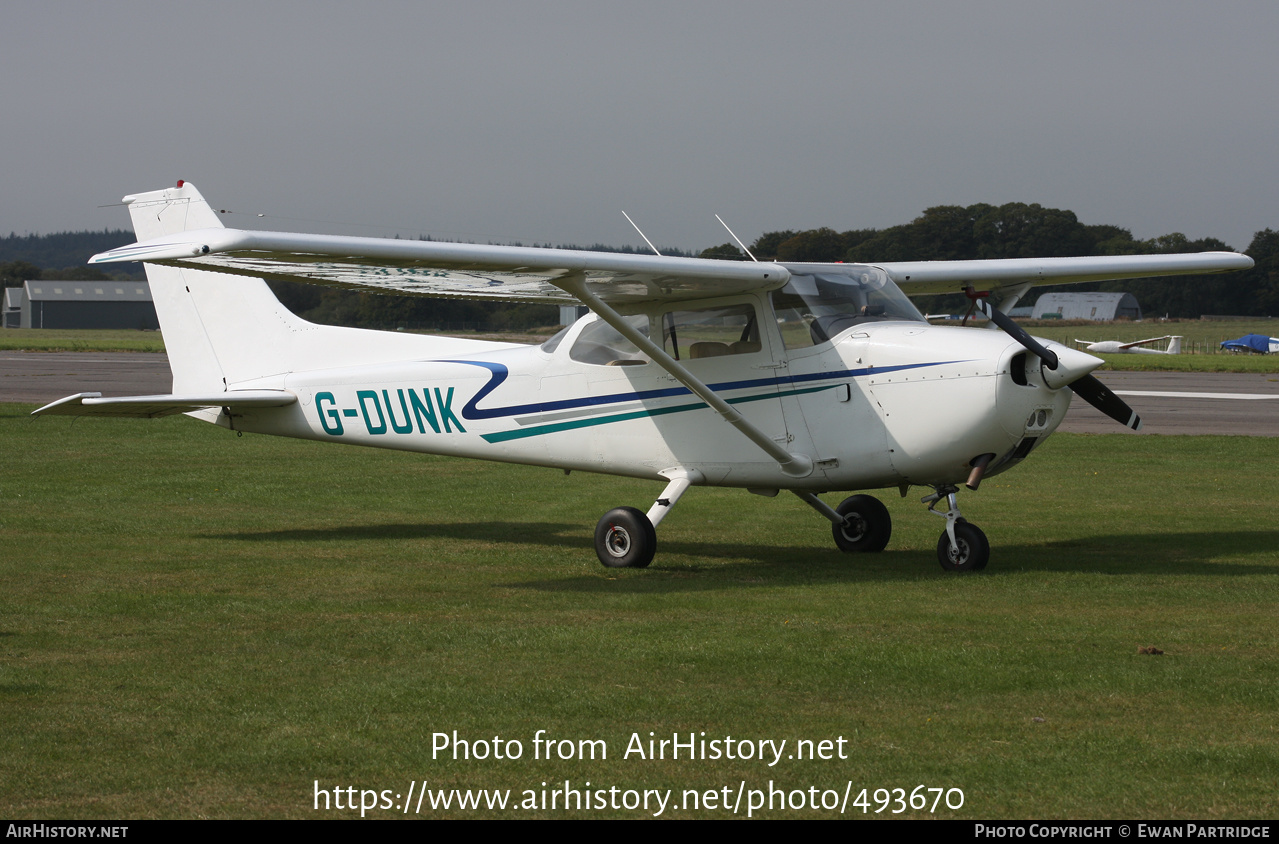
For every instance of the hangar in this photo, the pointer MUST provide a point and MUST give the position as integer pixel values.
(13, 307)
(83, 304)
(1096, 306)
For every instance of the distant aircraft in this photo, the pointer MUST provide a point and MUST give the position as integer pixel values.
(807, 378)
(1114, 347)
(1259, 343)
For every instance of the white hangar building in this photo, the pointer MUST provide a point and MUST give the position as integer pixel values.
(1095, 306)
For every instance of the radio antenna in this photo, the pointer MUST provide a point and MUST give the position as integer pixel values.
(735, 237)
(641, 234)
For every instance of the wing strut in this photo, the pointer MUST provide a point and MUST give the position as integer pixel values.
(793, 465)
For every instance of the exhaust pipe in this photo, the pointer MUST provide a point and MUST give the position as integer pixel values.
(979, 464)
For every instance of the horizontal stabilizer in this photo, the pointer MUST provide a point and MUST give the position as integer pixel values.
(149, 407)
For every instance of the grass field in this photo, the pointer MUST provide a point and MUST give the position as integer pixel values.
(198, 625)
(79, 340)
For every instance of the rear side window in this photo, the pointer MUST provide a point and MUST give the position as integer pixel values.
(710, 332)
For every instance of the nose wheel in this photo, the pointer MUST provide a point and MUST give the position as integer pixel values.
(963, 546)
(969, 551)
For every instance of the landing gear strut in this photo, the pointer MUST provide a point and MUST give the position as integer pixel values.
(962, 547)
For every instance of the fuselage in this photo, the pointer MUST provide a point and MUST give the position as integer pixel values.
(874, 401)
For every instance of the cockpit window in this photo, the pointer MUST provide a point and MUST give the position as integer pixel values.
(710, 332)
(813, 308)
(601, 344)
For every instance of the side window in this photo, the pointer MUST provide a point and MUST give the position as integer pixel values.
(711, 332)
(600, 344)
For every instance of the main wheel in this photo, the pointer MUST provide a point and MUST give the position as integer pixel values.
(625, 538)
(972, 551)
(869, 525)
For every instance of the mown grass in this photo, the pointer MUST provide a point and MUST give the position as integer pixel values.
(194, 624)
(79, 340)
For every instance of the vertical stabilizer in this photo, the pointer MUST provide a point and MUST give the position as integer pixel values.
(191, 354)
(1174, 345)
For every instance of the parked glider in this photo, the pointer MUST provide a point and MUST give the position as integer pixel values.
(1137, 347)
(807, 378)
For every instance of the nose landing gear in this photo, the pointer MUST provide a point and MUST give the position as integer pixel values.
(963, 546)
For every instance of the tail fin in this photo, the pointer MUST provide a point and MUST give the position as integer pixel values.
(224, 330)
(1174, 345)
(212, 323)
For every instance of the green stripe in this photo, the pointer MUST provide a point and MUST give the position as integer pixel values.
(539, 430)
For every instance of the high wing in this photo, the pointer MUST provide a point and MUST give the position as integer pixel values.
(450, 270)
(1144, 342)
(917, 278)
(530, 274)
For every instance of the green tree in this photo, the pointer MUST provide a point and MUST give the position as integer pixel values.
(78, 273)
(13, 273)
(724, 252)
(1018, 230)
(765, 246)
(1263, 279)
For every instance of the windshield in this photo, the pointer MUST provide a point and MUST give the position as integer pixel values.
(813, 308)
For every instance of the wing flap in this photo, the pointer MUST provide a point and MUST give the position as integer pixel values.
(150, 407)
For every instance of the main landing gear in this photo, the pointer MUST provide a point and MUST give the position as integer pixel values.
(627, 538)
(867, 525)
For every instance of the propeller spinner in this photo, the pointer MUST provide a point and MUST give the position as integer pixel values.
(1068, 368)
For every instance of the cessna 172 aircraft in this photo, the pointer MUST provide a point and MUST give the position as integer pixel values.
(807, 378)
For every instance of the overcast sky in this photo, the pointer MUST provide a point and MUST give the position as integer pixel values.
(541, 121)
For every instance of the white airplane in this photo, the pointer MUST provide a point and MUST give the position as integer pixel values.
(1114, 347)
(808, 378)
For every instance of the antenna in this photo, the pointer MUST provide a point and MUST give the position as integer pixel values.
(641, 234)
(735, 237)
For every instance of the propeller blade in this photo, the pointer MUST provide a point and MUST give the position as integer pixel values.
(1059, 368)
(1019, 334)
(1086, 387)
(1099, 396)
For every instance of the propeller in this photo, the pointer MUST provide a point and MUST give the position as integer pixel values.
(1074, 373)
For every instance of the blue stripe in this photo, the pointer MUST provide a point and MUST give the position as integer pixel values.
(500, 373)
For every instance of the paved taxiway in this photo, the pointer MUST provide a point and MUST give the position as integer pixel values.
(41, 377)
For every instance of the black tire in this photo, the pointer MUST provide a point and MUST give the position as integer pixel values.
(625, 538)
(973, 552)
(869, 525)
